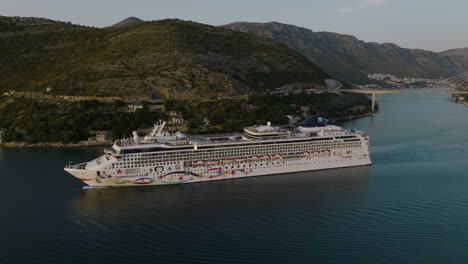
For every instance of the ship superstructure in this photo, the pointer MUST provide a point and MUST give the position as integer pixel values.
(162, 158)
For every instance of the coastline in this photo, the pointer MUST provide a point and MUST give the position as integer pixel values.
(334, 120)
(459, 99)
(83, 144)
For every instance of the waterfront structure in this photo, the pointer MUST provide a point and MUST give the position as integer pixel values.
(162, 158)
(374, 92)
(101, 136)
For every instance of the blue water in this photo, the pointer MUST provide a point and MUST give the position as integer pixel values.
(410, 206)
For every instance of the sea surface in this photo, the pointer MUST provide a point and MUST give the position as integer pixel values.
(410, 206)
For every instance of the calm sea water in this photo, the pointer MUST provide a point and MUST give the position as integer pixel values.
(410, 206)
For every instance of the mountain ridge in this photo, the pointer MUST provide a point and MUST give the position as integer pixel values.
(129, 21)
(150, 60)
(349, 58)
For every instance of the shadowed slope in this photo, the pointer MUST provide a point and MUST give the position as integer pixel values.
(349, 58)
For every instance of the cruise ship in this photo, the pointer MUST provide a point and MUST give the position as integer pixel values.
(162, 158)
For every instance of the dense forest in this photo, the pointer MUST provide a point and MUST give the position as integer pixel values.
(152, 60)
(35, 121)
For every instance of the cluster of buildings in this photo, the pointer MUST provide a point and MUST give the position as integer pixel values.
(130, 108)
(392, 81)
(175, 118)
(102, 136)
(307, 88)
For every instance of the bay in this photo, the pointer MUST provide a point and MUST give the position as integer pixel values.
(410, 206)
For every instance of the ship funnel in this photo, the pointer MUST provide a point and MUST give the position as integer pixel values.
(315, 121)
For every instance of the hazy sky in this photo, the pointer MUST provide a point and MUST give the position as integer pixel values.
(429, 24)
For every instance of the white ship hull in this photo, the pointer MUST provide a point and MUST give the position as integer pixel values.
(164, 159)
(177, 174)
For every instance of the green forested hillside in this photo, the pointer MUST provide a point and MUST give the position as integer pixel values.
(162, 59)
(59, 82)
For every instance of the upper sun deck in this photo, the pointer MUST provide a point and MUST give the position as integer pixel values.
(251, 135)
(265, 131)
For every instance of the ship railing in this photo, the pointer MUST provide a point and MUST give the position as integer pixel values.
(112, 151)
(125, 142)
(221, 138)
(241, 139)
(80, 166)
(211, 137)
(354, 131)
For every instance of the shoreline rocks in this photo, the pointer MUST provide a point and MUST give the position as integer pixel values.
(55, 144)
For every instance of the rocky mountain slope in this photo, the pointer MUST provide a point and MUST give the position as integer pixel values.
(149, 60)
(351, 59)
(459, 57)
(127, 22)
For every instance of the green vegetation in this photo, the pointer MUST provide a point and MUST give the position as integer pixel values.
(36, 121)
(231, 115)
(150, 60)
(185, 64)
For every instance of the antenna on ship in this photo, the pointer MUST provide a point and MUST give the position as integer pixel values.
(161, 127)
(158, 128)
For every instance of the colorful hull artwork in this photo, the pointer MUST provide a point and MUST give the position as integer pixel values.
(162, 158)
(110, 180)
(176, 177)
(143, 181)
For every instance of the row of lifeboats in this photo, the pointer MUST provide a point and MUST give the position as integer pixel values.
(257, 158)
(318, 153)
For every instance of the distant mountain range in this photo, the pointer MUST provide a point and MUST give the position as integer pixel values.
(349, 58)
(180, 59)
(161, 59)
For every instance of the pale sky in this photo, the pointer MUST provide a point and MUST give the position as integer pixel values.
(428, 24)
